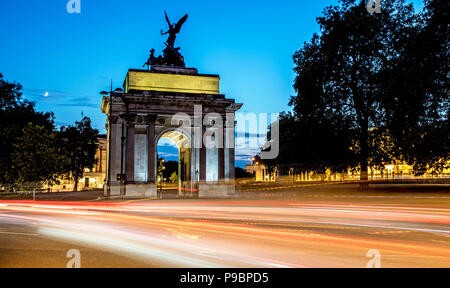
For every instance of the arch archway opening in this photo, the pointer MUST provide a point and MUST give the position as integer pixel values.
(173, 164)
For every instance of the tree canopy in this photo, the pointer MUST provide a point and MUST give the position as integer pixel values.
(36, 157)
(16, 114)
(79, 143)
(371, 88)
(32, 151)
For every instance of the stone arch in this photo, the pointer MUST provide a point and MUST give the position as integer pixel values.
(176, 132)
(183, 140)
(137, 121)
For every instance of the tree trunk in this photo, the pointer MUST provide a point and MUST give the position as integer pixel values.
(364, 176)
(75, 188)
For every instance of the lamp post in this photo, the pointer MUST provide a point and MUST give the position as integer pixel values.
(125, 118)
(111, 93)
(161, 168)
(123, 138)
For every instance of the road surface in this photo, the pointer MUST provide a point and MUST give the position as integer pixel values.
(317, 230)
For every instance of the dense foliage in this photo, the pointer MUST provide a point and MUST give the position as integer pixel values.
(371, 88)
(32, 152)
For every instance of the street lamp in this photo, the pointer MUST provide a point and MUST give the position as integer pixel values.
(110, 94)
(161, 169)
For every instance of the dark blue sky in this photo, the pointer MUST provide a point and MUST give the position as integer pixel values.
(73, 57)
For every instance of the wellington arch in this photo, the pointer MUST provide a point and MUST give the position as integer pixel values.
(176, 103)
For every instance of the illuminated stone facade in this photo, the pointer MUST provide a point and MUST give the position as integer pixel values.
(145, 113)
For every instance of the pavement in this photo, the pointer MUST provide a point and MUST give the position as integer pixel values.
(308, 226)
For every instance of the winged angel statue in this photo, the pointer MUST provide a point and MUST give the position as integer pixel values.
(174, 29)
(172, 55)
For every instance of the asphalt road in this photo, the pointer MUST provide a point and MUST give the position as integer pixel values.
(317, 227)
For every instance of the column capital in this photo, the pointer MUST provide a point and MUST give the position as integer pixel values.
(114, 119)
(131, 119)
(151, 118)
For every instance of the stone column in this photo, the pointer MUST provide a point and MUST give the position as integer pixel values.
(230, 144)
(130, 152)
(221, 152)
(108, 160)
(151, 149)
(232, 164)
(114, 147)
(203, 156)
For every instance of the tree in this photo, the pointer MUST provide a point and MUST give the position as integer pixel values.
(15, 115)
(35, 157)
(161, 168)
(382, 150)
(10, 94)
(166, 169)
(241, 173)
(79, 144)
(170, 167)
(173, 178)
(416, 91)
(338, 84)
(312, 144)
(31, 150)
